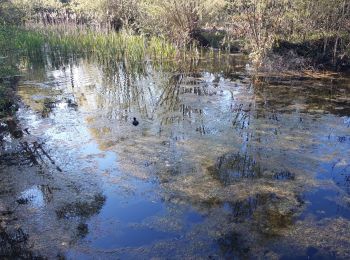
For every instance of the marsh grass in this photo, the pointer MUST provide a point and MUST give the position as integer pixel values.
(22, 47)
(79, 41)
(34, 42)
(32, 46)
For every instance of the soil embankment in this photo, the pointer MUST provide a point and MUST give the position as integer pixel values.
(320, 54)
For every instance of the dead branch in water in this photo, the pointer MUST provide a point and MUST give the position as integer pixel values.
(33, 153)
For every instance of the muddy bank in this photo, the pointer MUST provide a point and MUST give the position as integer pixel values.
(320, 54)
(284, 56)
(324, 54)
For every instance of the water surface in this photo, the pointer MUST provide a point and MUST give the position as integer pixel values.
(220, 166)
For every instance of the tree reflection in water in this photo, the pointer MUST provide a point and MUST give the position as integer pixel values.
(240, 155)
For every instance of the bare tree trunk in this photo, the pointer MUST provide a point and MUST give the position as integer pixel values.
(325, 46)
(335, 51)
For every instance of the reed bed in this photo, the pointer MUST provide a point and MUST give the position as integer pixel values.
(78, 41)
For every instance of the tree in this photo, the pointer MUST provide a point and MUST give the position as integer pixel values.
(259, 22)
(179, 20)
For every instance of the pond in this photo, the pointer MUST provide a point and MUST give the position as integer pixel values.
(221, 165)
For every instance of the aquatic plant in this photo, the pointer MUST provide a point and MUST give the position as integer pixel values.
(121, 45)
(76, 41)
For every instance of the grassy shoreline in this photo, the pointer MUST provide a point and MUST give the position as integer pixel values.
(70, 39)
(20, 43)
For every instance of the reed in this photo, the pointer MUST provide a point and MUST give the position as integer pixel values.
(71, 40)
(77, 41)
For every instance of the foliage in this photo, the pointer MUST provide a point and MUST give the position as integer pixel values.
(179, 20)
(329, 20)
(263, 22)
(9, 13)
(259, 21)
(115, 14)
(259, 24)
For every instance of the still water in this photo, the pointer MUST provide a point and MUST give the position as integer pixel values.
(220, 166)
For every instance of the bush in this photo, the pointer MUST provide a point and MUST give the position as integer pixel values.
(10, 14)
(179, 20)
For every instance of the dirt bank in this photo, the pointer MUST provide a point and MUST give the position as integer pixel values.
(319, 54)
